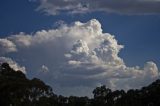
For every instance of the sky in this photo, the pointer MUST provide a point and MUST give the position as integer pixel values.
(80, 44)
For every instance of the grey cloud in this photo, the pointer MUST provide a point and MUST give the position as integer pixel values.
(54, 7)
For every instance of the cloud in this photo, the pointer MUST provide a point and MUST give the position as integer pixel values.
(54, 7)
(77, 57)
(12, 64)
(44, 68)
(7, 46)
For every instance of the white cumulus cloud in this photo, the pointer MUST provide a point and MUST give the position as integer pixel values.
(7, 46)
(77, 57)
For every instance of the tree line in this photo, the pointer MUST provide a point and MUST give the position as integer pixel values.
(17, 90)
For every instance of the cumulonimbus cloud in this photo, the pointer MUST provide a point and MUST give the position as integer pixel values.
(76, 57)
(54, 7)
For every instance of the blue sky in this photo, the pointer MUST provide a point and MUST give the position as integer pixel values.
(140, 34)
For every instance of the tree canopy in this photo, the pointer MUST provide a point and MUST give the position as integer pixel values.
(17, 90)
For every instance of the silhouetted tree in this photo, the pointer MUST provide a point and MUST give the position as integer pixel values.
(101, 95)
(17, 90)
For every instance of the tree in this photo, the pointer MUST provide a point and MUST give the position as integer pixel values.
(101, 95)
(17, 90)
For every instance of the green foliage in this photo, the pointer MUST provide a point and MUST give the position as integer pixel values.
(17, 90)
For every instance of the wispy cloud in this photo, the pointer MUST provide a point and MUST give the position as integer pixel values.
(54, 7)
